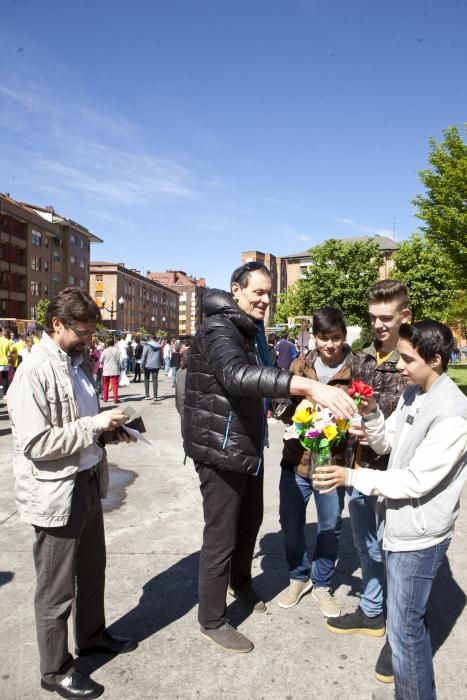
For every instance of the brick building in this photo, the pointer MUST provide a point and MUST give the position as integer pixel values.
(191, 292)
(129, 301)
(41, 252)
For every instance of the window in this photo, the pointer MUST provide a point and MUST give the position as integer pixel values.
(57, 256)
(36, 238)
(46, 264)
(56, 277)
(35, 288)
(81, 264)
(46, 290)
(82, 244)
(72, 279)
(33, 312)
(72, 259)
(36, 263)
(81, 284)
(99, 278)
(99, 294)
(72, 239)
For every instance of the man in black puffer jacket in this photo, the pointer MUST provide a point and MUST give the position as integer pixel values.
(224, 433)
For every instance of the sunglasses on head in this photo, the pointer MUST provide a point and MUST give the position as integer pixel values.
(248, 267)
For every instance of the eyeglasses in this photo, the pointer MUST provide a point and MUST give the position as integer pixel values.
(248, 267)
(80, 334)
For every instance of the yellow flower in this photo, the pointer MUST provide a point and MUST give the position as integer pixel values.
(330, 431)
(303, 412)
(343, 423)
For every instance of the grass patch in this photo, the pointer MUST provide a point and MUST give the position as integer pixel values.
(458, 374)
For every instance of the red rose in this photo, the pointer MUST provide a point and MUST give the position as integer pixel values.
(359, 389)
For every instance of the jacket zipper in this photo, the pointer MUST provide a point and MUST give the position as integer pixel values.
(227, 430)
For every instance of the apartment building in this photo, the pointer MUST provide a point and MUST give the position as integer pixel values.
(191, 291)
(129, 301)
(41, 252)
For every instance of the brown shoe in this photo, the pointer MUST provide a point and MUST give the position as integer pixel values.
(228, 638)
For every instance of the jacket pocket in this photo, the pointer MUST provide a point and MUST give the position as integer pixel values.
(228, 429)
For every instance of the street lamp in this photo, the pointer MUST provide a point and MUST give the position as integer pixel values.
(163, 323)
(112, 309)
(153, 321)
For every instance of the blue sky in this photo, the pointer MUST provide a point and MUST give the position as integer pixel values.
(185, 131)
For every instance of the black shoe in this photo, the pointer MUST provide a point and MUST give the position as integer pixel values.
(110, 644)
(357, 623)
(383, 669)
(75, 686)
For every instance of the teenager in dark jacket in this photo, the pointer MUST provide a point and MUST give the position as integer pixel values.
(224, 432)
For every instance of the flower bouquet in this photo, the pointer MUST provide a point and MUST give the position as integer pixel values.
(318, 430)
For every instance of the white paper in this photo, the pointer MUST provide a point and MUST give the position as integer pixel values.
(136, 434)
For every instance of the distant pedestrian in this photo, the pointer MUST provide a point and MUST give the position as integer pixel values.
(175, 363)
(121, 345)
(5, 348)
(130, 356)
(286, 352)
(167, 354)
(111, 367)
(151, 362)
(137, 354)
(95, 353)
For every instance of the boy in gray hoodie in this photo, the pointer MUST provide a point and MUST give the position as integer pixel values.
(427, 438)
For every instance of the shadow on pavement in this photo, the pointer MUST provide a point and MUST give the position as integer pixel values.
(446, 604)
(166, 598)
(6, 577)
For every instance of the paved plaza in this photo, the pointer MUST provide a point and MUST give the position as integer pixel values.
(154, 527)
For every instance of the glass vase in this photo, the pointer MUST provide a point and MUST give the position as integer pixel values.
(321, 459)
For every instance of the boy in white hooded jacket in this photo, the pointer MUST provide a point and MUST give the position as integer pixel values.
(427, 438)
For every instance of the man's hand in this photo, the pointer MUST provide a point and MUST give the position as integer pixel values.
(328, 477)
(327, 396)
(109, 420)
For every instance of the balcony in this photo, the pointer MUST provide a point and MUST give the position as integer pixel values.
(13, 296)
(13, 240)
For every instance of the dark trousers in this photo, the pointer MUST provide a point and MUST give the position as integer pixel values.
(70, 569)
(233, 512)
(4, 380)
(137, 376)
(147, 374)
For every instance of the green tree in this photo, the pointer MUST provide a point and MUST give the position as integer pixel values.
(41, 311)
(339, 275)
(429, 276)
(289, 304)
(444, 207)
(142, 332)
(456, 313)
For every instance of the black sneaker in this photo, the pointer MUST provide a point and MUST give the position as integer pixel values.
(383, 669)
(357, 623)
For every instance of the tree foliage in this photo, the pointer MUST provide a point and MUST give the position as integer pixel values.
(41, 311)
(456, 313)
(339, 275)
(444, 207)
(429, 276)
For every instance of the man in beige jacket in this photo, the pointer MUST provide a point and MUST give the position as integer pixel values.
(61, 474)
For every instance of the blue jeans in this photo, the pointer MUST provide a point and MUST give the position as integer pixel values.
(166, 366)
(410, 578)
(367, 536)
(295, 492)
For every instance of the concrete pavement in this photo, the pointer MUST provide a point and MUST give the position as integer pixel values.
(154, 527)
